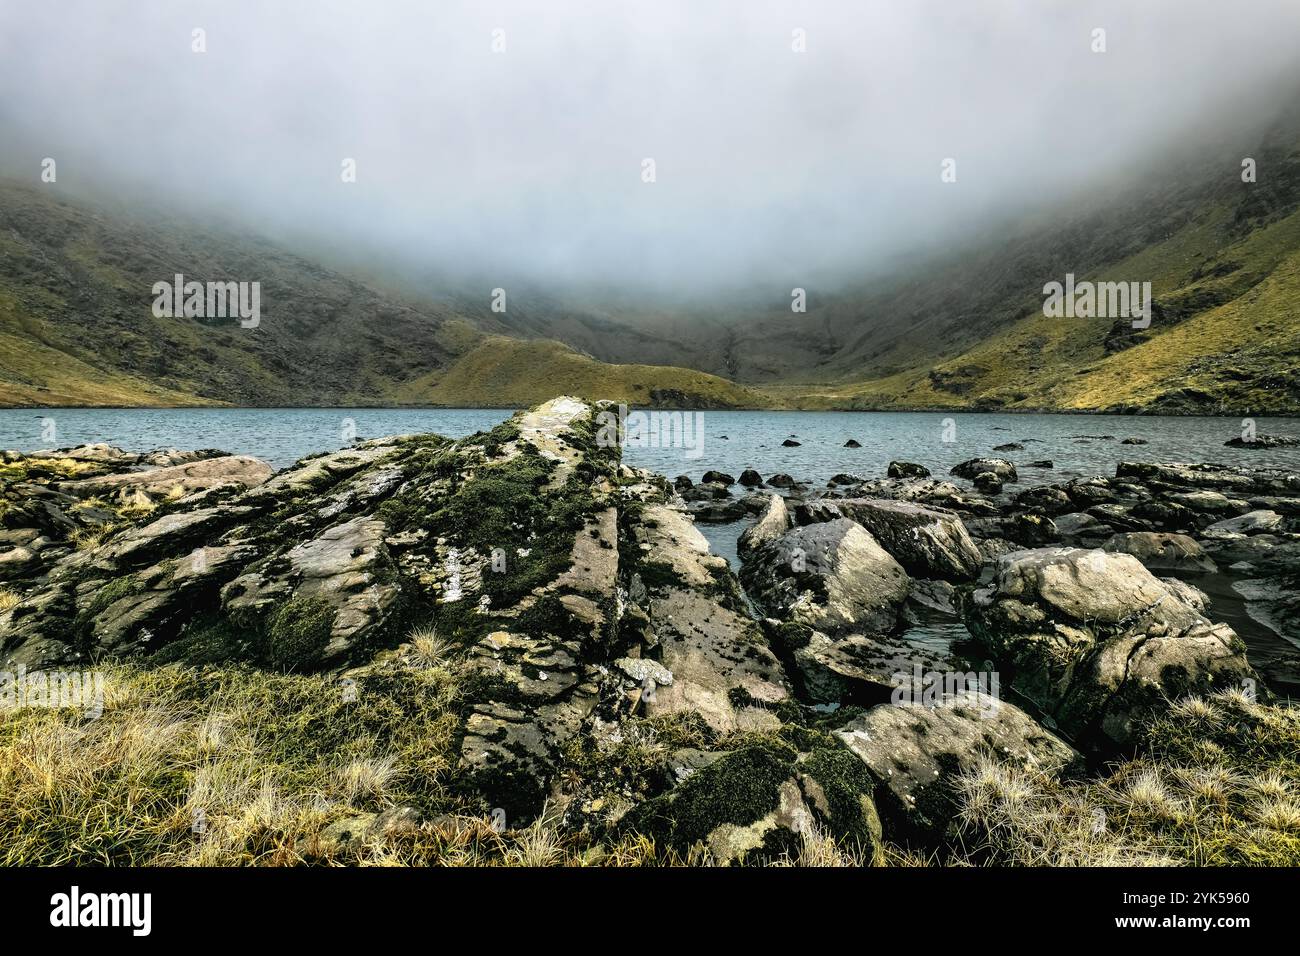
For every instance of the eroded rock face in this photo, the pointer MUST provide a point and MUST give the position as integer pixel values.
(915, 752)
(833, 576)
(205, 474)
(721, 664)
(1094, 641)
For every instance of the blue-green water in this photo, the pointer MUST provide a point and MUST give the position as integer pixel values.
(732, 441)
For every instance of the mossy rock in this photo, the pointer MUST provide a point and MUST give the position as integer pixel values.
(739, 789)
(297, 634)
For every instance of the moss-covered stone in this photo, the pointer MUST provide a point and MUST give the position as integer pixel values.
(297, 634)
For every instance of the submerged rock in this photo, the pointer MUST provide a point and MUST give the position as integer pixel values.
(907, 469)
(1263, 441)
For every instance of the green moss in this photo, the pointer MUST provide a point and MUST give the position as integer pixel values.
(212, 642)
(848, 787)
(547, 616)
(740, 789)
(499, 436)
(297, 634)
(659, 574)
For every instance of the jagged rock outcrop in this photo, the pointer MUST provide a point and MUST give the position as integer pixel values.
(608, 665)
(771, 524)
(578, 593)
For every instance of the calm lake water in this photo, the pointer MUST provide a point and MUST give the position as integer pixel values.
(732, 441)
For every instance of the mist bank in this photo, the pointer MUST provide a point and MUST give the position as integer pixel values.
(786, 146)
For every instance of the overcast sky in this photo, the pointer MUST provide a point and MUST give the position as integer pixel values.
(529, 161)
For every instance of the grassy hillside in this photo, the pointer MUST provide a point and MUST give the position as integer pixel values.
(77, 323)
(507, 372)
(1226, 336)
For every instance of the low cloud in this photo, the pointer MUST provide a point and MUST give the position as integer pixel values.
(769, 163)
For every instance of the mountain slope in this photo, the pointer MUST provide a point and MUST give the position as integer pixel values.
(77, 327)
(960, 329)
(964, 328)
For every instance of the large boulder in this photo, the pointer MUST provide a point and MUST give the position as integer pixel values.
(833, 576)
(764, 801)
(927, 542)
(1095, 642)
(853, 668)
(1252, 522)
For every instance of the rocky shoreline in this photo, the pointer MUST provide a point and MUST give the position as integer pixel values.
(591, 621)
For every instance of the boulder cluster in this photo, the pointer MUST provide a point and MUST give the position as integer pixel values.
(594, 622)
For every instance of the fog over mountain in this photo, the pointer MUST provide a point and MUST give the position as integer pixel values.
(771, 165)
